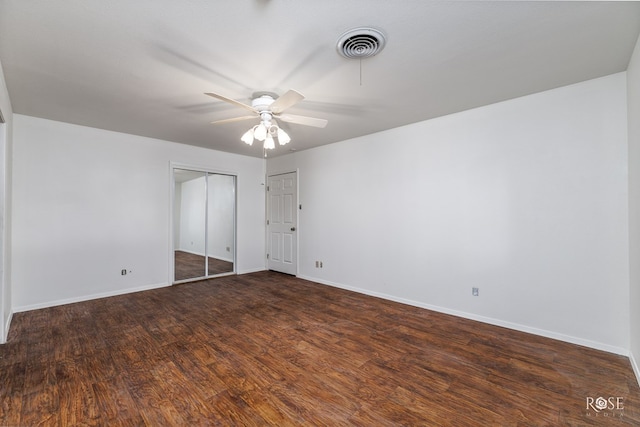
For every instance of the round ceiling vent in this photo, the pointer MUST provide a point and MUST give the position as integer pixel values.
(361, 43)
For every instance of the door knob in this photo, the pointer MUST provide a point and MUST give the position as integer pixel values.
(293, 229)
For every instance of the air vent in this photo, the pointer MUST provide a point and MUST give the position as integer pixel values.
(361, 43)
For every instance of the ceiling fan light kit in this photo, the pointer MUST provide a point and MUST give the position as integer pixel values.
(283, 137)
(267, 106)
(358, 43)
(266, 132)
(247, 137)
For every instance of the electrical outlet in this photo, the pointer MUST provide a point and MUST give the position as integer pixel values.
(475, 292)
(320, 264)
(123, 272)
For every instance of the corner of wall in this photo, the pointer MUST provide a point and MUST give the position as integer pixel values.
(633, 141)
(6, 168)
(5, 332)
(634, 365)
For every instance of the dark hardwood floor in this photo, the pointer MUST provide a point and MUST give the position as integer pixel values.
(189, 266)
(270, 349)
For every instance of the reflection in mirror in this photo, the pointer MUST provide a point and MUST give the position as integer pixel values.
(204, 224)
(189, 224)
(221, 201)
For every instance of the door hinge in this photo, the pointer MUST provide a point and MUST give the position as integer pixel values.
(267, 256)
(268, 188)
(267, 222)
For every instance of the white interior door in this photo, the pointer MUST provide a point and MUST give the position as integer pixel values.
(282, 223)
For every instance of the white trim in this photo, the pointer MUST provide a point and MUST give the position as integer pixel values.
(509, 325)
(89, 297)
(5, 287)
(208, 170)
(199, 168)
(171, 274)
(297, 208)
(106, 295)
(634, 365)
(206, 223)
(5, 333)
(266, 207)
(251, 270)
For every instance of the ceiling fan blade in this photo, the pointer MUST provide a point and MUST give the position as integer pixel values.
(303, 120)
(290, 98)
(232, 101)
(232, 120)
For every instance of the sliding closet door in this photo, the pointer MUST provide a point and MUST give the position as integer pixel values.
(189, 224)
(221, 202)
(203, 224)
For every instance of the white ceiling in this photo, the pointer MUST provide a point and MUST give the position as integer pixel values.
(142, 66)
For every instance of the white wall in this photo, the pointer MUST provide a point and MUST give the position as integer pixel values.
(192, 216)
(633, 101)
(220, 217)
(525, 199)
(6, 137)
(88, 203)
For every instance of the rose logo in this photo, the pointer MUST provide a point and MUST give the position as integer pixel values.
(601, 403)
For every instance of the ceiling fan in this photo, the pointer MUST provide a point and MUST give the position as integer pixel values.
(268, 106)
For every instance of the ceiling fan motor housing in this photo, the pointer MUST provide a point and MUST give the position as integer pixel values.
(262, 103)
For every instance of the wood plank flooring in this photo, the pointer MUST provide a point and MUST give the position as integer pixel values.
(270, 349)
(189, 266)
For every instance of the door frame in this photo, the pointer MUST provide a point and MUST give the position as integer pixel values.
(208, 170)
(266, 216)
(6, 310)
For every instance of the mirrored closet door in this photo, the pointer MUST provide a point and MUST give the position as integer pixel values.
(204, 205)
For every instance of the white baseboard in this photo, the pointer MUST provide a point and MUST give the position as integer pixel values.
(47, 304)
(88, 297)
(634, 365)
(251, 270)
(489, 320)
